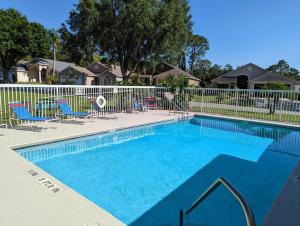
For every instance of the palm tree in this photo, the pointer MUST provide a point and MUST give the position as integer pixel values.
(54, 42)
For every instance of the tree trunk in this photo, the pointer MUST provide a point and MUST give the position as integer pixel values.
(123, 71)
(5, 73)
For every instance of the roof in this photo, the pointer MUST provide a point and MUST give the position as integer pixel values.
(272, 77)
(221, 79)
(59, 65)
(255, 74)
(251, 70)
(105, 73)
(168, 69)
(82, 70)
(17, 68)
(99, 68)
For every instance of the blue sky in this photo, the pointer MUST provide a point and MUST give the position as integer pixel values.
(239, 31)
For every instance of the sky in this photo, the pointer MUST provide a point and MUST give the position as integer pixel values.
(239, 31)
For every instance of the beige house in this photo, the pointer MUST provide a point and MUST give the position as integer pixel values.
(36, 70)
(39, 69)
(157, 75)
(75, 75)
(107, 75)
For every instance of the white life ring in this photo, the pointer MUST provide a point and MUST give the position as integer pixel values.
(101, 102)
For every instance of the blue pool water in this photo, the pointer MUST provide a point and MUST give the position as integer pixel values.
(143, 176)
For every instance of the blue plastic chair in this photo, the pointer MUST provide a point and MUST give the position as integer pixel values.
(67, 111)
(137, 106)
(23, 114)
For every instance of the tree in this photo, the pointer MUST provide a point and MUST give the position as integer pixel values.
(276, 86)
(201, 71)
(196, 49)
(175, 83)
(77, 36)
(284, 69)
(227, 68)
(206, 71)
(39, 40)
(19, 38)
(54, 44)
(128, 32)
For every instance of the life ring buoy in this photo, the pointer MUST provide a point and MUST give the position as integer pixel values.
(101, 102)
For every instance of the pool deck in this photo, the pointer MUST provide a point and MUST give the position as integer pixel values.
(25, 200)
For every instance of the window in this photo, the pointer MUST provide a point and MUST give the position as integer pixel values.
(107, 80)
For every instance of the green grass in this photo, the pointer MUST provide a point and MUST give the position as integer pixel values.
(31, 99)
(78, 103)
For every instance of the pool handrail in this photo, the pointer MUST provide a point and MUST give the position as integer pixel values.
(221, 181)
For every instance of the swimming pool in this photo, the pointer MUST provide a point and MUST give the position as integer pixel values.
(144, 175)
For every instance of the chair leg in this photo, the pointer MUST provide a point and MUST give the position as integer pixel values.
(10, 123)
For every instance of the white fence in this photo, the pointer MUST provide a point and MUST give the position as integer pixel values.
(283, 106)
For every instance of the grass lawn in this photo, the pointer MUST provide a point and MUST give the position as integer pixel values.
(37, 101)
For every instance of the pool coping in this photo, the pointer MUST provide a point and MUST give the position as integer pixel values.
(264, 122)
(114, 129)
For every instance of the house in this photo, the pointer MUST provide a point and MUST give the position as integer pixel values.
(36, 70)
(107, 75)
(161, 71)
(39, 69)
(251, 76)
(76, 75)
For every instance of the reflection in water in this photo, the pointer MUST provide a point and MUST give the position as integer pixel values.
(286, 140)
(74, 146)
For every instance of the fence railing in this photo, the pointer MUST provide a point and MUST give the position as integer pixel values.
(282, 106)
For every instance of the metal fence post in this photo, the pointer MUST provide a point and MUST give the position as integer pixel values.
(202, 99)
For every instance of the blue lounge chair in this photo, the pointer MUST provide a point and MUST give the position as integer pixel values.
(22, 114)
(67, 111)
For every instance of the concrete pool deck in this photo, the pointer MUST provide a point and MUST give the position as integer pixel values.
(26, 200)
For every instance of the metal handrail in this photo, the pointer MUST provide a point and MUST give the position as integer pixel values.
(170, 97)
(246, 208)
(181, 108)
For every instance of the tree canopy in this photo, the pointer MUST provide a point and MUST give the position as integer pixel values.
(19, 37)
(128, 32)
(195, 50)
(284, 69)
(207, 71)
(78, 35)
